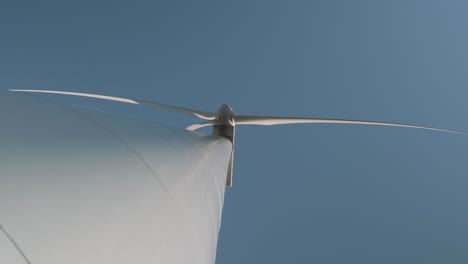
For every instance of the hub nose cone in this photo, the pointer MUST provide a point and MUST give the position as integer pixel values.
(224, 108)
(226, 115)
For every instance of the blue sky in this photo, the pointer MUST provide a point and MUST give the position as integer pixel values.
(304, 193)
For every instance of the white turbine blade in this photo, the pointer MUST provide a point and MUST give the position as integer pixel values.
(198, 126)
(200, 114)
(271, 120)
(104, 97)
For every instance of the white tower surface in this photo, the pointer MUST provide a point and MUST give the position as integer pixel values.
(82, 186)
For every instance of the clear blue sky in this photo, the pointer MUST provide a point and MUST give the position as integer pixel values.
(305, 193)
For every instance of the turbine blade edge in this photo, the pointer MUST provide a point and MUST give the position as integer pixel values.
(272, 120)
(197, 113)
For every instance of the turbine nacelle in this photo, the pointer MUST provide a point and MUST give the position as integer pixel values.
(224, 120)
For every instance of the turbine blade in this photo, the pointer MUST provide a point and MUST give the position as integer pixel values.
(200, 114)
(197, 126)
(272, 120)
(103, 97)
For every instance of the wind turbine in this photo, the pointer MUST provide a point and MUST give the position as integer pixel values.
(224, 120)
(84, 186)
